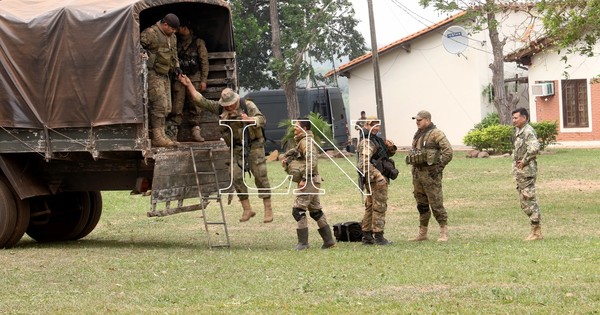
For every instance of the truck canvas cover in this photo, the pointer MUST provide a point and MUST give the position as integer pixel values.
(73, 63)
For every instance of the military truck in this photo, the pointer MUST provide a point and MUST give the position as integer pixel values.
(74, 114)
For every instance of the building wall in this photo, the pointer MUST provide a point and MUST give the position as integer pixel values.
(429, 78)
(548, 66)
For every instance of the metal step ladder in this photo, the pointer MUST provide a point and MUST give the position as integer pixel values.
(211, 225)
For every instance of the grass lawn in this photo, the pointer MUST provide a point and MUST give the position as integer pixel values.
(132, 264)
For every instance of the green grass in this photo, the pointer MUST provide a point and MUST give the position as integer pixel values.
(132, 264)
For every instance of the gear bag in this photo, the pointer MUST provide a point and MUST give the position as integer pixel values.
(347, 232)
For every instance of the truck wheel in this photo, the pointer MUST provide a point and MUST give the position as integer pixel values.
(22, 222)
(95, 213)
(8, 215)
(59, 217)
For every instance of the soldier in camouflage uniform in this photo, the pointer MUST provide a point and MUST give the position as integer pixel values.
(431, 152)
(160, 44)
(524, 169)
(302, 163)
(231, 107)
(375, 183)
(193, 58)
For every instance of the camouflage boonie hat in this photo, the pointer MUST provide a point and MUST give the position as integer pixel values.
(228, 97)
(372, 119)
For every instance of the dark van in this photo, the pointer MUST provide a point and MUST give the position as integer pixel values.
(326, 101)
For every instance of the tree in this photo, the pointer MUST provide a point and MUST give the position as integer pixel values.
(572, 24)
(483, 14)
(298, 32)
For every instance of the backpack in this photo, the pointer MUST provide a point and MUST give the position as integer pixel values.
(347, 232)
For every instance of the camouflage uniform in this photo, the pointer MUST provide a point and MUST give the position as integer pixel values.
(193, 58)
(526, 149)
(256, 155)
(376, 186)
(306, 154)
(427, 174)
(302, 164)
(162, 60)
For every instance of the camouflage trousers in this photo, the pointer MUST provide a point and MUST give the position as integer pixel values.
(308, 200)
(375, 208)
(159, 98)
(180, 100)
(427, 185)
(526, 189)
(258, 168)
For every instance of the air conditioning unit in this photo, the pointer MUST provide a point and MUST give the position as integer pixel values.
(542, 89)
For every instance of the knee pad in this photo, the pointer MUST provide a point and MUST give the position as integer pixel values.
(316, 215)
(298, 214)
(422, 208)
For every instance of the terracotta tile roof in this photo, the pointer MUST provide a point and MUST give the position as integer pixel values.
(364, 58)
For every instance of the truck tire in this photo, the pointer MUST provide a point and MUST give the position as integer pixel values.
(8, 214)
(59, 217)
(95, 213)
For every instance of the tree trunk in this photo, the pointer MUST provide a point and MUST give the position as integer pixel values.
(504, 102)
(287, 81)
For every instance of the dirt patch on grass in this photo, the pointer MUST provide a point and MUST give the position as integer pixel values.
(562, 185)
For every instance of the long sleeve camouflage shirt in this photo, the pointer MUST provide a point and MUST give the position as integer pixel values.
(527, 147)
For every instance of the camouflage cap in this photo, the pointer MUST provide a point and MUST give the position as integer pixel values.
(171, 19)
(228, 97)
(423, 115)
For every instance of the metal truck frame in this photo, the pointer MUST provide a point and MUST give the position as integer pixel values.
(73, 113)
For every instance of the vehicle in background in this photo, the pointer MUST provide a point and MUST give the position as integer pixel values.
(326, 101)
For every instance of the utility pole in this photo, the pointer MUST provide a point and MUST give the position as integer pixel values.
(374, 52)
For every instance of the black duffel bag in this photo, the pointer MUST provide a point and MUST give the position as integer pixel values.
(347, 232)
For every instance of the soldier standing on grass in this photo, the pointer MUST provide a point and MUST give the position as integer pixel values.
(302, 163)
(431, 152)
(370, 150)
(232, 107)
(524, 169)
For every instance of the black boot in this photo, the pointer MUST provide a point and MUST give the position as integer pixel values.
(327, 237)
(367, 238)
(380, 240)
(302, 239)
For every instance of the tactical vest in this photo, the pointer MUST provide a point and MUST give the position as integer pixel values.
(255, 134)
(424, 153)
(189, 58)
(165, 57)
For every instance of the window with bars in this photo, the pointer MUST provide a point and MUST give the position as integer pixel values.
(575, 103)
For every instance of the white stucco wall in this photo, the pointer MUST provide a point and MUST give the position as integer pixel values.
(428, 77)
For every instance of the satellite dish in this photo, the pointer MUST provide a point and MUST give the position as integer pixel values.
(455, 39)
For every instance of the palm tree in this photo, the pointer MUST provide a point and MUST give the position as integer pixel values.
(320, 128)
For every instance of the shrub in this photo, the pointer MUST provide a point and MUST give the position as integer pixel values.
(489, 120)
(496, 138)
(546, 132)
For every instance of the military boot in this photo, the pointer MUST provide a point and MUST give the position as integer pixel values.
(443, 233)
(327, 237)
(196, 134)
(380, 240)
(536, 233)
(159, 139)
(422, 236)
(302, 239)
(248, 213)
(171, 130)
(367, 238)
(268, 210)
